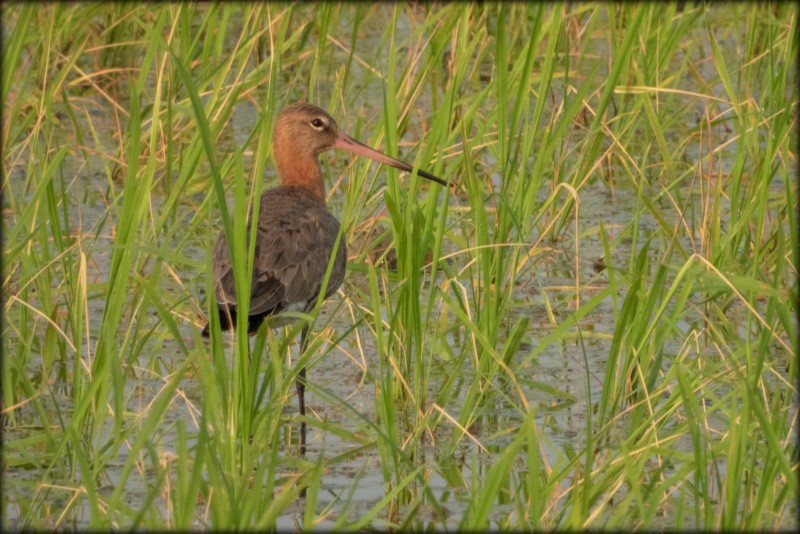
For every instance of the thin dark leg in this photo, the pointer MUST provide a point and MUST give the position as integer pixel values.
(301, 392)
(301, 397)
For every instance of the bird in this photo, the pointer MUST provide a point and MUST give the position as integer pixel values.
(296, 233)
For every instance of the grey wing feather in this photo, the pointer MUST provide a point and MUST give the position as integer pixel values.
(296, 237)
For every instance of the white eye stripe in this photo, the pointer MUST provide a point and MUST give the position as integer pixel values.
(318, 123)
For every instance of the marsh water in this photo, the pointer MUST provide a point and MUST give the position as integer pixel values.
(556, 379)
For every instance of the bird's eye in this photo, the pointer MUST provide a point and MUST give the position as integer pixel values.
(318, 124)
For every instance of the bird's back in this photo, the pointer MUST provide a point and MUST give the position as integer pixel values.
(295, 241)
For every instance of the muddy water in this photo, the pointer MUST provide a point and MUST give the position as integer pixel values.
(358, 480)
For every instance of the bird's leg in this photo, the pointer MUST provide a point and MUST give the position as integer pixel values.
(301, 397)
(301, 391)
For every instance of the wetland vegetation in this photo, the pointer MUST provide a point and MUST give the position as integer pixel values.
(597, 328)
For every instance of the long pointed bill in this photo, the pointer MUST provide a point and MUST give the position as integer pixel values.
(345, 142)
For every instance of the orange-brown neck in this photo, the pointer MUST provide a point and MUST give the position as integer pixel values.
(297, 165)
